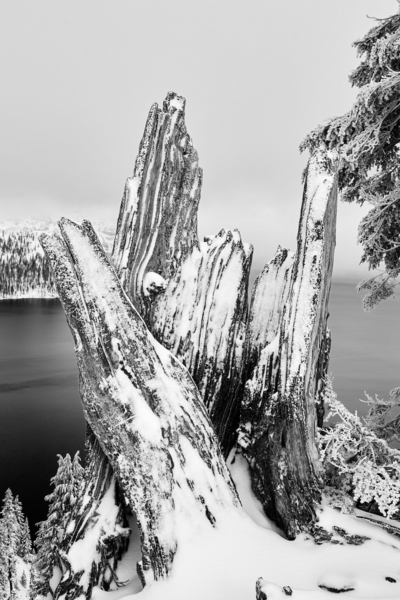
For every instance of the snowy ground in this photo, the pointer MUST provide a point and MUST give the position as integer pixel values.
(224, 563)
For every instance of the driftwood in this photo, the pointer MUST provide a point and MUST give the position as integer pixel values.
(165, 341)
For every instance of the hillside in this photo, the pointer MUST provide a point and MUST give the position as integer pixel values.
(24, 269)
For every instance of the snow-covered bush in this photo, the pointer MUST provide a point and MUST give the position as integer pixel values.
(357, 462)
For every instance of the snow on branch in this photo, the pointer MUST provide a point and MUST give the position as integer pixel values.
(357, 461)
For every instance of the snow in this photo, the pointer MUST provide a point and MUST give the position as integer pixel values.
(177, 102)
(23, 271)
(143, 419)
(239, 470)
(21, 567)
(80, 554)
(200, 312)
(153, 283)
(269, 296)
(225, 562)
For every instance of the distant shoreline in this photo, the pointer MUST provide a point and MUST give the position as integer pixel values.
(38, 295)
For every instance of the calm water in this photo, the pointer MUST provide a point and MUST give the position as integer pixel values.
(40, 412)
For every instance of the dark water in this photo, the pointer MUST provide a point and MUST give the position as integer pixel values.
(365, 347)
(40, 412)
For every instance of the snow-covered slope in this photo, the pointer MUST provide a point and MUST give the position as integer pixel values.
(225, 562)
(24, 269)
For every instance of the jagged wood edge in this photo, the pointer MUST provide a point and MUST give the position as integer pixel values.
(157, 232)
(86, 314)
(279, 413)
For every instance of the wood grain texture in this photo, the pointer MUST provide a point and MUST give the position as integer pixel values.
(196, 302)
(279, 417)
(140, 403)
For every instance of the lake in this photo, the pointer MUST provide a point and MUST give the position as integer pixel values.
(40, 412)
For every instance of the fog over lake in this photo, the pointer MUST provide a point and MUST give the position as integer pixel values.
(40, 411)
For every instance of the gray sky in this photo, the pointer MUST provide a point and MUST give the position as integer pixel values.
(78, 78)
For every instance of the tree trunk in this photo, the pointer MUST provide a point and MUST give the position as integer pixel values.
(192, 294)
(165, 333)
(100, 511)
(140, 403)
(279, 416)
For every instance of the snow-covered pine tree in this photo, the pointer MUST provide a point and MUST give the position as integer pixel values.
(51, 533)
(367, 139)
(24, 547)
(10, 516)
(12, 533)
(24, 271)
(25, 544)
(98, 528)
(78, 473)
(4, 570)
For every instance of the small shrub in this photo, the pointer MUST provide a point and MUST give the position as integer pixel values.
(358, 464)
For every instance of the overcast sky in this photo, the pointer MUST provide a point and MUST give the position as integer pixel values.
(78, 78)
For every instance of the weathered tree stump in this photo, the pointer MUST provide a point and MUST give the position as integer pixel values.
(139, 401)
(279, 416)
(192, 294)
(164, 340)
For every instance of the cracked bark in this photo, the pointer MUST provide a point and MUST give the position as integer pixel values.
(279, 416)
(170, 303)
(200, 314)
(139, 401)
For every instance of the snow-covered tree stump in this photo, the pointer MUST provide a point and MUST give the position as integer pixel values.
(279, 416)
(191, 294)
(165, 341)
(139, 401)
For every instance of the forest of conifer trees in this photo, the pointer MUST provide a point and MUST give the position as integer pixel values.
(24, 270)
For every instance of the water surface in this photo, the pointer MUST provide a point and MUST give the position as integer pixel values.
(40, 411)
